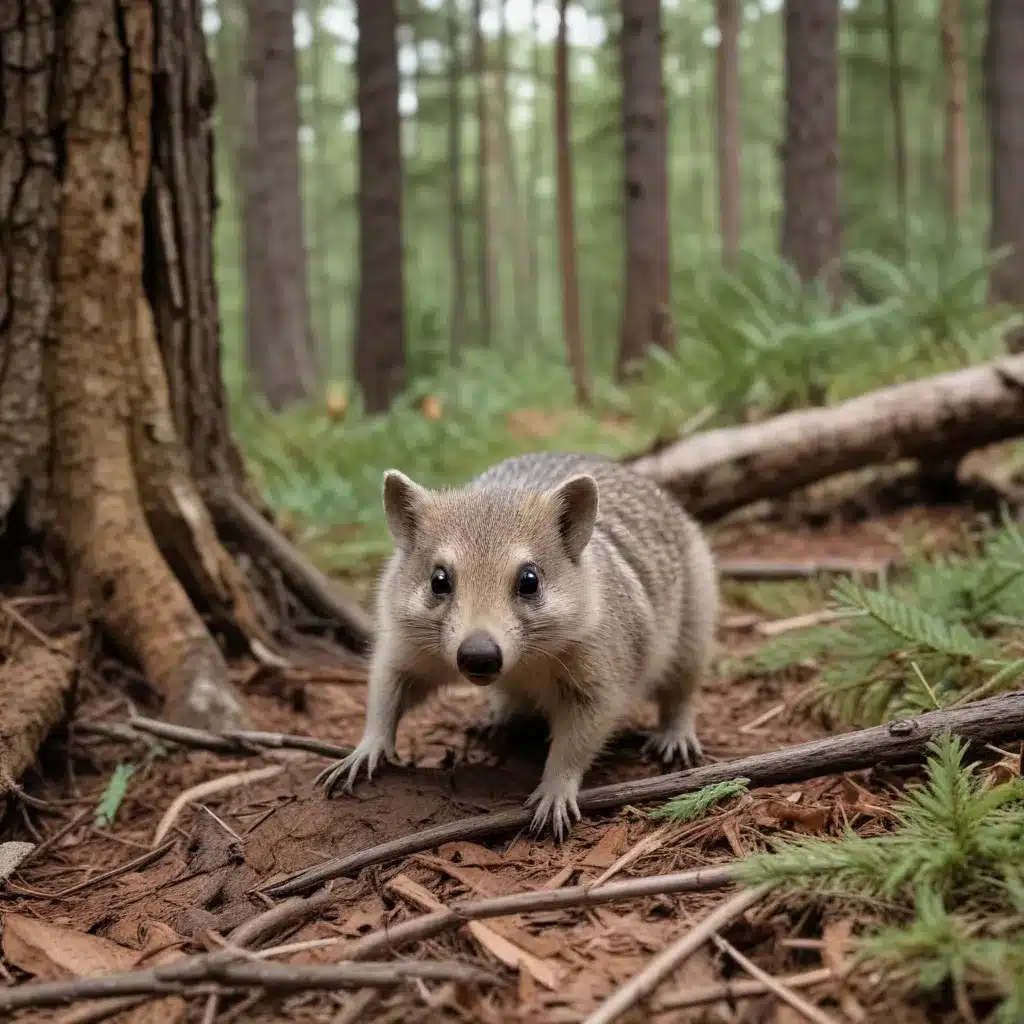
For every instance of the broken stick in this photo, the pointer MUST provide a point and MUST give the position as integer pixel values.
(987, 721)
(226, 969)
(644, 983)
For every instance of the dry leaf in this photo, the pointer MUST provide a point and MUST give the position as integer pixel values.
(52, 952)
(811, 820)
(431, 407)
(162, 946)
(11, 855)
(608, 847)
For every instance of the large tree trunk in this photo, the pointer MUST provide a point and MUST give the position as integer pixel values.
(457, 248)
(380, 331)
(279, 338)
(810, 153)
(567, 215)
(957, 147)
(646, 318)
(899, 121)
(727, 107)
(937, 418)
(111, 403)
(1004, 91)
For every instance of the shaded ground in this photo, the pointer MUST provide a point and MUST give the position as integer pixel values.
(249, 836)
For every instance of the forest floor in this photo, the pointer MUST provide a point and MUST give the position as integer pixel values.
(223, 846)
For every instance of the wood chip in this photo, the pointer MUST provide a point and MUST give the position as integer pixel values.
(497, 945)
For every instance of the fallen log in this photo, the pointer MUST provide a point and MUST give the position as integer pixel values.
(939, 418)
(985, 721)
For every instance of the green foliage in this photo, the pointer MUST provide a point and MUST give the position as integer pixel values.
(950, 871)
(113, 796)
(943, 635)
(690, 806)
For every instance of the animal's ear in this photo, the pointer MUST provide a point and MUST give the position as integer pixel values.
(403, 505)
(576, 500)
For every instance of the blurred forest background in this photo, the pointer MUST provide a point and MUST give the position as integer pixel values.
(749, 206)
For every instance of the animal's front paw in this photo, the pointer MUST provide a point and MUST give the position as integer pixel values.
(368, 753)
(555, 803)
(680, 741)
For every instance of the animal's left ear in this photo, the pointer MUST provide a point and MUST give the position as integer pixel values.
(576, 500)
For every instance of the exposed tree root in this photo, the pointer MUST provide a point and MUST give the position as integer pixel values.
(324, 597)
(35, 683)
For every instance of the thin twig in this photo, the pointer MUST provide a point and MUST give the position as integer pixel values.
(225, 969)
(575, 896)
(736, 990)
(57, 836)
(208, 788)
(240, 743)
(798, 1003)
(991, 720)
(644, 983)
(122, 869)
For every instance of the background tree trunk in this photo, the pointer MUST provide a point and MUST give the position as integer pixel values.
(532, 201)
(810, 154)
(281, 347)
(457, 243)
(487, 288)
(380, 331)
(899, 121)
(647, 318)
(727, 96)
(957, 147)
(122, 413)
(566, 215)
(1004, 93)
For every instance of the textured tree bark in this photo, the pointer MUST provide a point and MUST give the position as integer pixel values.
(1004, 93)
(810, 153)
(727, 107)
(112, 409)
(380, 326)
(957, 145)
(278, 333)
(457, 247)
(567, 216)
(646, 317)
(941, 417)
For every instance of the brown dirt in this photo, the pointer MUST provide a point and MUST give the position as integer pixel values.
(260, 832)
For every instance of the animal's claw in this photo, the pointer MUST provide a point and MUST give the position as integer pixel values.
(555, 805)
(367, 753)
(668, 744)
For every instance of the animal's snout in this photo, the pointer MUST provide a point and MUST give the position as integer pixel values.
(479, 658)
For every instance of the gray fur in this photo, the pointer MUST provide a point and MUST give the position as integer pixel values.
(626, 610)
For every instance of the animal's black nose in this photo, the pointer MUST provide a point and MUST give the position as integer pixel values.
(479, 657)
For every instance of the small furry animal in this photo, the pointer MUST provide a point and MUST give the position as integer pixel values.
(565, 584)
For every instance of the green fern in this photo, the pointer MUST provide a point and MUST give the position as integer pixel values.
(949, 872)
(690, 806)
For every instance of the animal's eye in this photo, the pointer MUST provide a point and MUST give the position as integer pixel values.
(528, 582)
(440, 582)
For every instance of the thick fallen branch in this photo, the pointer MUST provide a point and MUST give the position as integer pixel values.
(237, 517)
(758, 571)
(986, 721)
(931, 419)
(226, 969)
